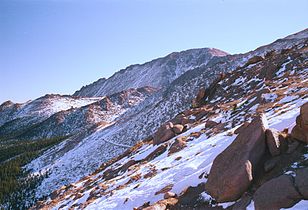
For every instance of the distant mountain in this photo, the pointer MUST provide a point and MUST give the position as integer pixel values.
(157, 73)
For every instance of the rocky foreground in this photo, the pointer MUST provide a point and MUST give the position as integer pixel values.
(242, 145)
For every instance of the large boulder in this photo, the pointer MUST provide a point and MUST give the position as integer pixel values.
(300, 131)
(276, 194)
(301, 181)
(232, 170)
(163, 134)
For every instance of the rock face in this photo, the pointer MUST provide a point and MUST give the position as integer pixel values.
(276, 141)
(232, 170)
(276, 194)
(164, 133)
(301, 182)
(300, 131)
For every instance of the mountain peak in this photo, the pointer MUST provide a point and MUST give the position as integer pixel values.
(157, 73)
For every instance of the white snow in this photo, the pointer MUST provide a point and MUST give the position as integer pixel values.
(269, 97)
(239, 81)
(281, 71)
(287, 99)
(302, 205)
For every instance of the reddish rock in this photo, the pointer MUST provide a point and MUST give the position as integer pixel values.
(190, 195)
(178, 128)
(272, 141)
(127, 165)
(169, 195)
(200, 97)
(163, 134)
(169, 202)
(301, 181)
(164, 189)
(201, 114)
(158, 151)
(254, 60)
(232, 170)
(210, 124)
(300, 131)
(182, 119)
(241, 128)
(178, 145)
(162, 204)
(218, 128)
(276, 194)
(156, 206)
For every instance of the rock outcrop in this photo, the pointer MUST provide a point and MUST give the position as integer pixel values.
(276, 194)
(232, 170)
(301, 182)
(276, 141)
(164, 133)
(300, 131)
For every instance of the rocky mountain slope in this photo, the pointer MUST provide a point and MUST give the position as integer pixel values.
(242, 146)
(157, 73)
(105, 118)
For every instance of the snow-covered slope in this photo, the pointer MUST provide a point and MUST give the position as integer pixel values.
(157, 73)
(276, 85)
(163, 106)
(17, 118)
(108, 116)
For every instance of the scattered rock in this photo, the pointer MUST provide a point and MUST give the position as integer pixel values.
(178, 145)
(169, 195)
(156, 206)
(301, 181)
(254, 60)
(201, 114)
(300, 131)
(164, 133)
(158, 151)
(178, 128)
(195, 134)
(276, 194)
(232, 170)
(190, 195)
(210, 124)
(169, 202)
(127, 165)
(165, 189)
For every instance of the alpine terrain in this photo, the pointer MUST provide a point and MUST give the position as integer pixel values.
(197, 129)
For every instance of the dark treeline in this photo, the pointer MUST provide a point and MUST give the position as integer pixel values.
(16, 187)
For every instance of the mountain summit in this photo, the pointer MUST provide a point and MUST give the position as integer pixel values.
(157, 73)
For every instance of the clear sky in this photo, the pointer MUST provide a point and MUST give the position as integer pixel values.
(57, 46)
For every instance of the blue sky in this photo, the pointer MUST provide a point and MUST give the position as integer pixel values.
(57, 46)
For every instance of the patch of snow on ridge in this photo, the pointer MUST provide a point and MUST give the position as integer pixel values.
(182, 173)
